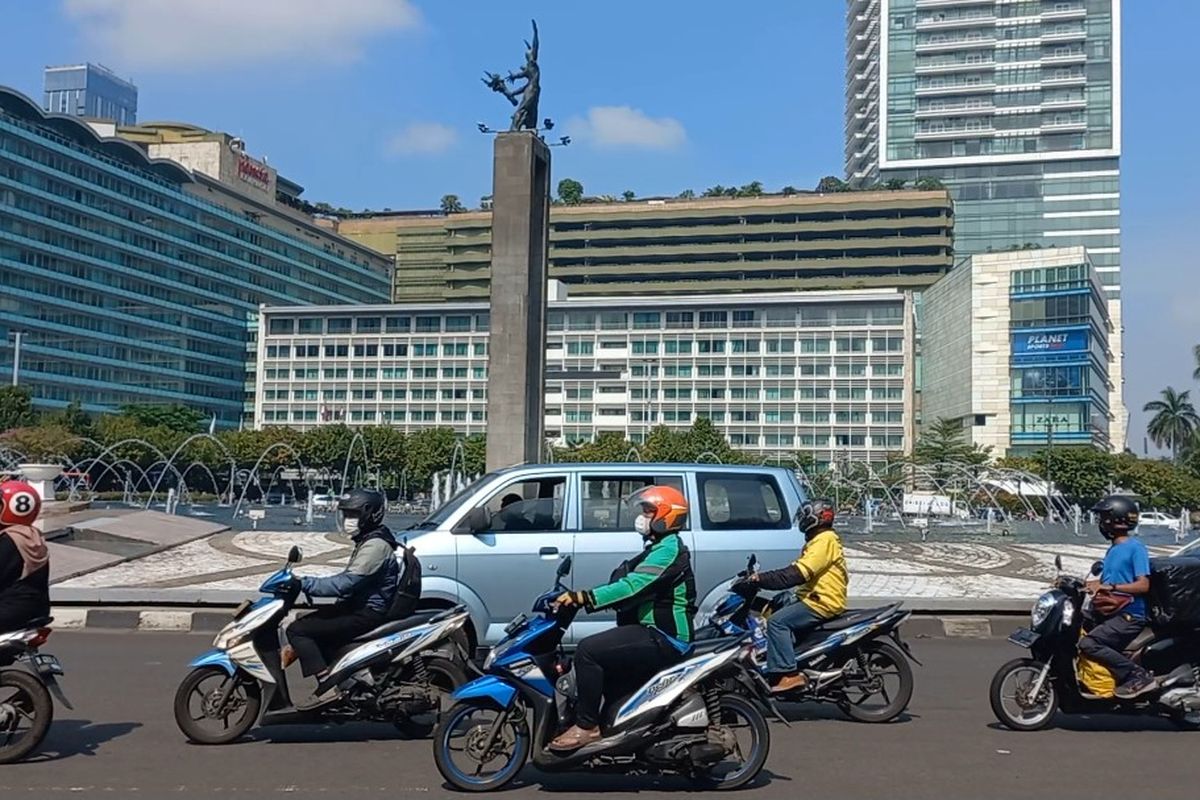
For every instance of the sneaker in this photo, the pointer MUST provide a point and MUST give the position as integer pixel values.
(1137, 685)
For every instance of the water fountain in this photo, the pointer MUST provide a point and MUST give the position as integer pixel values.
(253, 472)
(171, 461)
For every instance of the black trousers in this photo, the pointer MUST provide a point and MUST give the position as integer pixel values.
(316, 636)
(615, 663)
(17, 609)
(1107, 641)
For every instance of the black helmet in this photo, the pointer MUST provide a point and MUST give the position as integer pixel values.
(367, 506)
(1116, 515)
(815, 515)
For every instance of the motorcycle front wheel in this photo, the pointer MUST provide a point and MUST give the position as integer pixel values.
(469, 757)
(26, 711)
(211, 707)
(1011, 699)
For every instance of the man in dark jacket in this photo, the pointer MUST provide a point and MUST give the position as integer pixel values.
(24, 558)
(364, 591)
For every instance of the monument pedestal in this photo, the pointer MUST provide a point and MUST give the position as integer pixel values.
(517, 337)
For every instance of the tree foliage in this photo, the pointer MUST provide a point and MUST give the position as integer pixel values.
(16, 407)
(570, 191)
(452, 205)
(176, 417)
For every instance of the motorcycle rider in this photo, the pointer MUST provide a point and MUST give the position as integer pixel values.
(24, 558)
(364, 590)
(656, 592)
(1119, 597)
(820, 577)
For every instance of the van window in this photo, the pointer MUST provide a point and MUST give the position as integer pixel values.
(604, 499)
(530, 505)
(740, 501)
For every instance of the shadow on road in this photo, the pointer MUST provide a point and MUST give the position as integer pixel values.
(79, 737)
(807, 712)
(1102, 723)
(323, 734)
(599, 782)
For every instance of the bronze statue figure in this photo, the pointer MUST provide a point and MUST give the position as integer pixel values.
(525, 97)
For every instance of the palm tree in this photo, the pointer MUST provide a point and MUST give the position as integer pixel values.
(1175, 420)
(1196, 355)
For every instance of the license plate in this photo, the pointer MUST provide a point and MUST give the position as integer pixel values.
(1023, 637)
(237, 612)
(48, 665)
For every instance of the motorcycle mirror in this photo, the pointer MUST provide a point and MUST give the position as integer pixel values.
(294, 555)
(564, 567)
(1058, 563)
(1097, 567)
(751, 562)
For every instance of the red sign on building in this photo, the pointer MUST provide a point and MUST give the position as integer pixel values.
(253, 172)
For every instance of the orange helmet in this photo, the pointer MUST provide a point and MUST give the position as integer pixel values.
(19, 503)
(666, 507)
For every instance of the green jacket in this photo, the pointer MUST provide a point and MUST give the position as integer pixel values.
(654, 588)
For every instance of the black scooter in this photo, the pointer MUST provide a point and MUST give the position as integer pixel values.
(1026, 692)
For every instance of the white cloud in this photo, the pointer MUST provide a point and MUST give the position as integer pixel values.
(423, 138)
(222, 34)
(623, 127)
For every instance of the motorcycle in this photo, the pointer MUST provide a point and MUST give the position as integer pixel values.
(681, 721)
(399, 672)
(26, 708)
(1026, 692)
(849, 660)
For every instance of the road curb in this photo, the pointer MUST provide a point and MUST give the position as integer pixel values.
(208, 620)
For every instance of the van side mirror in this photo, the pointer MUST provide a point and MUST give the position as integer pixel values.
(294, 555)
(477, 520)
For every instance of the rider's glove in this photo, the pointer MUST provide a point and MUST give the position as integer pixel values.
(581, 599)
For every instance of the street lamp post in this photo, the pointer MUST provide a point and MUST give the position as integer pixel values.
(16, 368)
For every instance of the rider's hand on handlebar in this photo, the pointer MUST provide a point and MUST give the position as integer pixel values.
(571, 599)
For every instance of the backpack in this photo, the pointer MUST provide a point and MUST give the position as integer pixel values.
(408, 591)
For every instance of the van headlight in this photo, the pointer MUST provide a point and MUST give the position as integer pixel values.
(1042, 608)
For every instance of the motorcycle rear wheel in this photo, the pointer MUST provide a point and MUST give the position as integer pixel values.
(1024, 722)
(734, 706)
(27, 699)
(884, 660)
(444, 676)
(249, 702)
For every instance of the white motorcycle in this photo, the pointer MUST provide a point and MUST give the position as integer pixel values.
(27, 680)
(399, 672)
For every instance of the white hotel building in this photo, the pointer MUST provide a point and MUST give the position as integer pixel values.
(829, 373)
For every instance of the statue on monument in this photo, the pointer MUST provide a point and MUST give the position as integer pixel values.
(524, 97)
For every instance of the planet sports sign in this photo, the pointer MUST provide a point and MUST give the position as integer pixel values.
(253, 172)
(1065, 341)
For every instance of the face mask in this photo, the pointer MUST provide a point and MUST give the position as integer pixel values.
(642, 524)
(350, 525)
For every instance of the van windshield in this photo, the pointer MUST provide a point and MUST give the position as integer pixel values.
(447, 510)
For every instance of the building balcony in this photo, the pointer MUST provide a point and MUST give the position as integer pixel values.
(1049, 15)
(1072, 80)
(1064, 104)
(956, 133)
(1059, 127)
(1068, 58)
(1067, 36)
(933, 23)
(951, 3)
(958, 66)
(954, 111)
(957, 88)
(957, 44)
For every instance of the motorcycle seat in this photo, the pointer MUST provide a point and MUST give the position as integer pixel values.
(395, 626)
(711, 645)
(40, 622)
(1146, 637)
(853, 617)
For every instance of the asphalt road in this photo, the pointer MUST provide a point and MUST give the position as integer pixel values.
(121, 741)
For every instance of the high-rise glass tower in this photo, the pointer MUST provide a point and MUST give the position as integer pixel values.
(88, 90)
(1014, 105)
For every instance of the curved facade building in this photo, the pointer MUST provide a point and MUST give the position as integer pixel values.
(128, 279)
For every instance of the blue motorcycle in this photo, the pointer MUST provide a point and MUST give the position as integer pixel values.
(399, 672)
(683, 721)
(855, 660)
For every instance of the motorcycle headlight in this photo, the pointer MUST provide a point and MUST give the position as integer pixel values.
(232, 637)
(1042, 608)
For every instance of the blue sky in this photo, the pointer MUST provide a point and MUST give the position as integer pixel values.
(373, 103)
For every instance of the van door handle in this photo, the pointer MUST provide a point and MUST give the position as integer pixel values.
(546, 552)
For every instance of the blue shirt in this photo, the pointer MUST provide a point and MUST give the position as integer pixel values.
(1125, 563)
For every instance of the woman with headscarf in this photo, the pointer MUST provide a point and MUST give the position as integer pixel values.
(24, 558)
